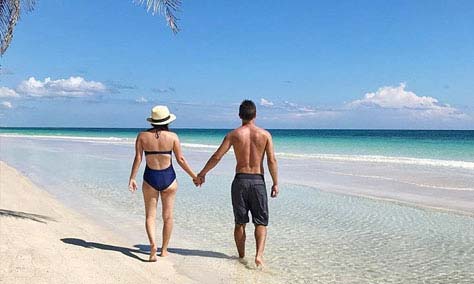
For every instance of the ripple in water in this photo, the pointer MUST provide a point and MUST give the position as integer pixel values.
(319, 237)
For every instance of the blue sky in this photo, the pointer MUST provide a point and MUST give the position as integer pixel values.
(314, 64)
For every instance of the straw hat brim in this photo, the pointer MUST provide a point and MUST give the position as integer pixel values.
(171, 118)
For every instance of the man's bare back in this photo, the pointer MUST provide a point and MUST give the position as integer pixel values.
(249, 143)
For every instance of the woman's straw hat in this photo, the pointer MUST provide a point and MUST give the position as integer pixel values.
(160, 115)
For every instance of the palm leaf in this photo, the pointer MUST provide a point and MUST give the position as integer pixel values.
(9, 15)
(167, 8)
(10, 11)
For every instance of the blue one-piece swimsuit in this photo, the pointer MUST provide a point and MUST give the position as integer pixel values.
(159, 179)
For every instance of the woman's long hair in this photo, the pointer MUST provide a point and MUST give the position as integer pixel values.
(161, 127)
(158, 128)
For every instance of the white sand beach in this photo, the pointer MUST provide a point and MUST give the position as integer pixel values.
(44, 242)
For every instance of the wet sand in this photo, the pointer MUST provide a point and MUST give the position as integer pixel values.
(44, 242)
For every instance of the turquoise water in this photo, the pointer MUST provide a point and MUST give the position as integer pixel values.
(314, 236)
(446, 145)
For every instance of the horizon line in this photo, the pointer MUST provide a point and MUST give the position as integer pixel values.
(221, 128)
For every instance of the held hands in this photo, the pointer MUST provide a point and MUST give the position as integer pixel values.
(199, 180)
(274, 191)
(132, 185)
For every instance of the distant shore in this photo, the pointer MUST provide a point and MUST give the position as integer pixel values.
(44, 242)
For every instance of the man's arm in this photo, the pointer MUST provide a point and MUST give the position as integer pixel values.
(216, 157)
(272, 165)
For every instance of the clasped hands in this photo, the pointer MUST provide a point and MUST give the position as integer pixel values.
(199, 179)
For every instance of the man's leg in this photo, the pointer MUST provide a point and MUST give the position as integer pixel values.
(239, 236)
(241, 216)
(260, 237)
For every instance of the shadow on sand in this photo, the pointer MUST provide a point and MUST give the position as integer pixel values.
(26, 216)
(142, 249)
(188, 252)
(126, 251)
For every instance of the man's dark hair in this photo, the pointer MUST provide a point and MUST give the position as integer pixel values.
(247, 110)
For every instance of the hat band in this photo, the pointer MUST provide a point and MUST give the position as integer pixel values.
(160, 120)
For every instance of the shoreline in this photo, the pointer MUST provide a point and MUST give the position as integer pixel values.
(45, 242)
(203, 252)
(377, 159)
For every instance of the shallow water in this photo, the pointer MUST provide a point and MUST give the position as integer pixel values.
(448, 147)
(314, 236)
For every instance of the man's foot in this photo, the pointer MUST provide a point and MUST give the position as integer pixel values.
(152, 253)
(259, 262)
(164, 253)
(243, 260)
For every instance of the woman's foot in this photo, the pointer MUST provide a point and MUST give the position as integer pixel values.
(153, 250)
(259, 262)
(164, 252)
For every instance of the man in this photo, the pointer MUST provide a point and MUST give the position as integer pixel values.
(249, 193)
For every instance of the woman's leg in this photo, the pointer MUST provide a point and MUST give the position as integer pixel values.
(167, 201)
(150, 195)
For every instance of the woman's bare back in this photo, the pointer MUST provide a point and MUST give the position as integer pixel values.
(152, 140)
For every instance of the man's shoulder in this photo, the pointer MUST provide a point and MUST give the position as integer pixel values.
(263, 131)
(235, 132)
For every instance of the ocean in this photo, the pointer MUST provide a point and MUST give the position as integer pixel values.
(439, 146)
(356, 206)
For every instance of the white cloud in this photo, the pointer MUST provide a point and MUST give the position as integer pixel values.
(293, 112)
(398, 98)
(8, 93)
(6, 104)
(141, 100)
(294, 107)
(319, 114)
(290, 104)
(71, 87)
(266, 103)
(306, 109)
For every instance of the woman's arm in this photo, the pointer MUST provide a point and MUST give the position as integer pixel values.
(132, 184)
(181, 160)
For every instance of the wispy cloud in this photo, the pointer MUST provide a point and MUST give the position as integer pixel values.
(141, 100)
(288, 112)
(7, 104)
(398, 98)
(266, 103)
(71, 87)
(117, 86)
(163, 90)
(8, 93)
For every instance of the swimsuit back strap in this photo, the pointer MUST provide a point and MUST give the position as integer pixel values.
(158, 152)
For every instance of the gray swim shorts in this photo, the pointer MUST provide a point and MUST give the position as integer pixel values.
(250, 194)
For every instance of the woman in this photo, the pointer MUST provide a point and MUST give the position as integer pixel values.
(159, 178)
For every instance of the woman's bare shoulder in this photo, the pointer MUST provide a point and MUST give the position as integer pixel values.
(173, 135)
(143, 134)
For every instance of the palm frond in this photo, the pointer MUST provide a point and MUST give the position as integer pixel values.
(9, 15)
(167, 8)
